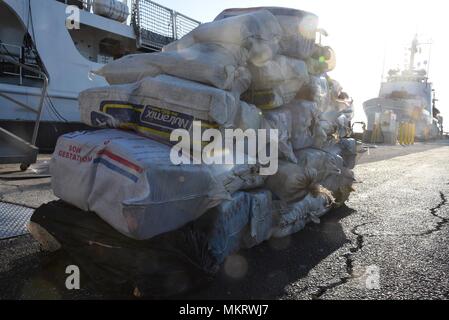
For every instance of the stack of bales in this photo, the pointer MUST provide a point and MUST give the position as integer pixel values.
(256, 68)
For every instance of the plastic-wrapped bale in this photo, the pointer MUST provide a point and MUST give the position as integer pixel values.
(298, 28)
(341, 185)
(331, 172)
(228, 222)
(276, 82)
(242, 177)
(276, 71)
(156, 106)
(316, 90)
(324, 163)
(291, 218)
(293, 182)
(130, 182)
(306, 128)
(260, 224)
(280, 119)
(347, 149)
(258, 32)
(323, 60)
(218, 65)
(336, 122)
(275, 97)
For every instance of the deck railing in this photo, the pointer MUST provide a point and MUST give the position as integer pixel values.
(154, 25)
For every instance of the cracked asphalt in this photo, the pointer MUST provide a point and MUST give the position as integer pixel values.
(389, 242)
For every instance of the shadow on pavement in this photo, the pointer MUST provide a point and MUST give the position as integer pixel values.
(268, 268)
(258, 273)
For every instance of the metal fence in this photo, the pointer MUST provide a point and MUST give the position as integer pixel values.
(156, 25)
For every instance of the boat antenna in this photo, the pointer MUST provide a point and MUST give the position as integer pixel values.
(413, 52)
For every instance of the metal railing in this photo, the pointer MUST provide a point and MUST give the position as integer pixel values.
(13, 50)
(16, 51)
(156, 26)
(38, 110)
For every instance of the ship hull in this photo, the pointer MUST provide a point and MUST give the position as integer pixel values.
(49, 131)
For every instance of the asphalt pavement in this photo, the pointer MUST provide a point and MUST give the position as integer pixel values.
(389, 242)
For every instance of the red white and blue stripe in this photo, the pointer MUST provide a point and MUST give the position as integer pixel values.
(118, 164)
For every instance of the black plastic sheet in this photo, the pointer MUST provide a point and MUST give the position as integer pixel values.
(167, 265)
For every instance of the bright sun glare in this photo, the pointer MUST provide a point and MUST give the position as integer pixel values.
(368, 37)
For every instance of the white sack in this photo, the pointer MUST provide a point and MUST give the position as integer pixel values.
(219, 65)
(258, 32)
(280, 119)
(294, 217)
(156, 106)
(319, 92)
(324, 163)
(130, 182)
(298, 28)
(276, 71)
(272, 98)
(293, 182)
(347, 149)
(261, 219)
(331, 172)
(306, 129)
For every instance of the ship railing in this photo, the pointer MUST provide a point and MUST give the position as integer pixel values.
(156, 26)
(13, 51)
(17, 53)
(36, 110)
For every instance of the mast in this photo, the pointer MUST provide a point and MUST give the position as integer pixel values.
(413, 52)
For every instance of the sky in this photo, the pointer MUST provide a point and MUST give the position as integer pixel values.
(366, 36)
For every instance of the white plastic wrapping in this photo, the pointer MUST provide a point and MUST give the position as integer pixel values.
(156, 106)
(219, 65)
(293, 182)
(319, 92)
(260, 224)
(129, 181)
(299, 31)
(306, 129)
(331, 171)
(258, 32)
(322, 162)
(275, 97)
(294, 217)
(347, 149)
(278, 70)
(276, 82)
(298, 28)
(280, 119)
